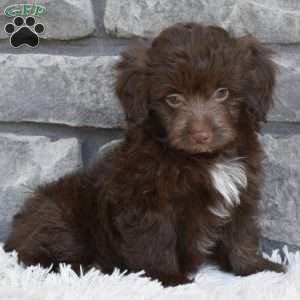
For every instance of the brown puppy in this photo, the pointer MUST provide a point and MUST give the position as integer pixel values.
(183, 187)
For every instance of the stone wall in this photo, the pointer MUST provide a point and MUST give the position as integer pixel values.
(57, 106)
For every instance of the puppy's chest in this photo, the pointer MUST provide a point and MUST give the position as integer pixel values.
(228, 179)
(218, 191)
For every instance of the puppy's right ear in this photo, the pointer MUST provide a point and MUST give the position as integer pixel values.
(131, 83)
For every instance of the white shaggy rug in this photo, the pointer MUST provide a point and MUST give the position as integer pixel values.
(35, 283)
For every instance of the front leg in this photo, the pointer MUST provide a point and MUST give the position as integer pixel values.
(147, 241)
(237, 252)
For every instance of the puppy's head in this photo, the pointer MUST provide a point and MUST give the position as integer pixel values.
(195, 85)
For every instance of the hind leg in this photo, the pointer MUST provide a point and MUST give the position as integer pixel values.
(41, 234)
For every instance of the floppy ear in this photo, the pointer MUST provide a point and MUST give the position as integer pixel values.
(131, 84)
(258, 77)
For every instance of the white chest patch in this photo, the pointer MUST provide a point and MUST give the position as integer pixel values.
(229, 178)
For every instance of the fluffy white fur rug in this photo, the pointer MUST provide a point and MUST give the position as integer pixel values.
(35, 283)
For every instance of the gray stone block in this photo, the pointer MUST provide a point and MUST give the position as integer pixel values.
(287, 102)
(76, 91)
(280, 208)
(65, 19)
(274, 21)
(147, 17)
(25, 162)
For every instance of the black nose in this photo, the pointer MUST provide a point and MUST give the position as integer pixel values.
(201, 137)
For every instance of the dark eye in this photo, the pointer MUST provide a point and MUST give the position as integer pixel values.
(174, 100)
(221, 94)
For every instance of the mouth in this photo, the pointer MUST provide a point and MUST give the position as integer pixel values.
(196, 146)
(190, 146)
(201, 149)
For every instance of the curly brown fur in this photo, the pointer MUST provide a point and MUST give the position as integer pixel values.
(183, 187)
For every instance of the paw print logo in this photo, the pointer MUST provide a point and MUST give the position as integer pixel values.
(24, 32)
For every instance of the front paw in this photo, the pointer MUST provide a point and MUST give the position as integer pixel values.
(258, 265)
(170, 279)
(174, 280)
(275, 267)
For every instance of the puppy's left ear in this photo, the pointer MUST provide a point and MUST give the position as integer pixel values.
(258, 77)
(131, 84)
